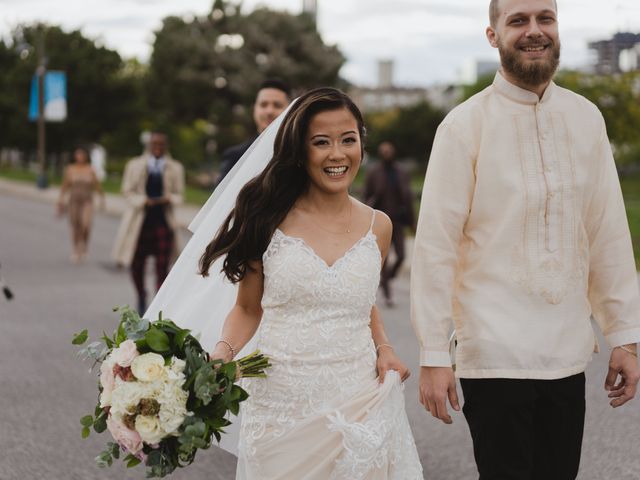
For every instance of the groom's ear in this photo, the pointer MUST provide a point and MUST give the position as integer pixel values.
(492, 37)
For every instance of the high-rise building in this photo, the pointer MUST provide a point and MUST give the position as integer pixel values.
(385, 73)
(310, 7)
(608, 51)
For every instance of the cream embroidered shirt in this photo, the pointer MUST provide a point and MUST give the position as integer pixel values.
(522, 235)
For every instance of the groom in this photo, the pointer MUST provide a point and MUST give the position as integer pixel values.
(522, 236)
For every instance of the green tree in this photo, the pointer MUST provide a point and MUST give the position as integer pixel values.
(208, 69)
(99, 94)
(410, 129)
(8, 107)
(618, 98)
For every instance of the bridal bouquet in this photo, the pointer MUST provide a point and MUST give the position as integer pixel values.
(160, 396)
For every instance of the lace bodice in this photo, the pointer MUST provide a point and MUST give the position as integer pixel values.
(315, 323)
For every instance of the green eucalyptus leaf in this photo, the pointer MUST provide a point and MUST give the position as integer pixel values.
(154, 458)
(86, 421)
(104, 460)
(85, 432)
(157, 339)
(180, 338)
(132, 462)
(229, 370)
(243, 394)
(107, 341)
(81, 337)
(236, 393)
(100, 423)
(121, 336)
(205, 385)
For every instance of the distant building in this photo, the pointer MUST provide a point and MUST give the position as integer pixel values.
(372, 99)
(608, 52)
(630, 59)
(386, 95)
(385, 73)
(473, 69)
(310, 7)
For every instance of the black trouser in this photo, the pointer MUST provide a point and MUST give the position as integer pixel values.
(389, 271)
(526, 429)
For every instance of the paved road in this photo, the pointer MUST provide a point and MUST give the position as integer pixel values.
(44, 389)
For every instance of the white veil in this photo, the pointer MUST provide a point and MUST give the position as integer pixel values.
(202, 304)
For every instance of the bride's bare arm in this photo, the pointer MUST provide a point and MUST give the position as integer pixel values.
(244, 318)
(387, 359)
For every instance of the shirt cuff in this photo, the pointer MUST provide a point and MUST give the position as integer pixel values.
(435, 358)
(623, 337)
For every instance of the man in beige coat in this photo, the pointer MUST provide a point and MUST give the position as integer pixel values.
(153, 184)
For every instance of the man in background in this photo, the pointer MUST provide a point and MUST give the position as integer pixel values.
(272, 98)
(388, 188)
(152, 184)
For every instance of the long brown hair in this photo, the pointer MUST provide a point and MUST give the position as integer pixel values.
(265, 201)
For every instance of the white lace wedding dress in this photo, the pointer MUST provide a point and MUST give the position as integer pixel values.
(321, 414)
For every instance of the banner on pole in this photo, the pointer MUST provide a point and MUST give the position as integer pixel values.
(55, 97)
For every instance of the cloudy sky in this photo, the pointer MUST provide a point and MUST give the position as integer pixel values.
(430, 41)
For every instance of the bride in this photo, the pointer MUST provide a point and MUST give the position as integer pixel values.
(306, 257)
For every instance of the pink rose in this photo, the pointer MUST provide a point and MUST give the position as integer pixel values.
(128, 439)
(107, 380)
(125, 353)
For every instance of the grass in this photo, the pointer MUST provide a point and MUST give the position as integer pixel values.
(631, 192)
(192, 195)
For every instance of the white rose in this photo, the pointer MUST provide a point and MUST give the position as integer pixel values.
(126, 395)
(173, 408)
(125, 353)
(148, 367)
(177, 365)
(149, 429)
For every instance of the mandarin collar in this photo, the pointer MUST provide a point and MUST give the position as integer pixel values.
(518, 94)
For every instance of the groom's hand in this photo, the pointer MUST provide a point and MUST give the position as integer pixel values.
(623, 366)
(436, 385)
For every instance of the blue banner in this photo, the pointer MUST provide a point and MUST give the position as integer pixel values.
(55, 97)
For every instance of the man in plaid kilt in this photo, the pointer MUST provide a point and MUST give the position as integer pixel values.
(153, 185)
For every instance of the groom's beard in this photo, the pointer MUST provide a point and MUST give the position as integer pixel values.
(530, 72)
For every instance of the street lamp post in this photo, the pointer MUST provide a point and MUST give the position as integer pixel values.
(42, 180)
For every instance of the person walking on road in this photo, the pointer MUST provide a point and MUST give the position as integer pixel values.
(388, 188)
(521, 237)
(272, 98)
(152, 184)
(80, 183)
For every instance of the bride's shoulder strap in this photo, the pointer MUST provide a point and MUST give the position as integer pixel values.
(373, 219)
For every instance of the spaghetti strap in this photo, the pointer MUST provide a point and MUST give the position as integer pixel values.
(373, 220)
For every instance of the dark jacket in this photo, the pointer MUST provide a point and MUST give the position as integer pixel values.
(380, 193)
(231, 156)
